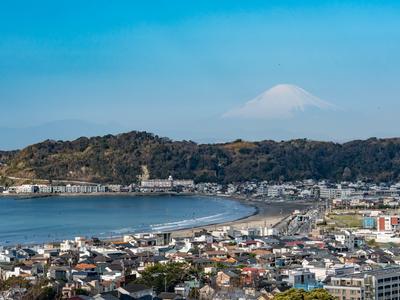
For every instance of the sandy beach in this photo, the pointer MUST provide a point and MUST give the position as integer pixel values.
(267, 214)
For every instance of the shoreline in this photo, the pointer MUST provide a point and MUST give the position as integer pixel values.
(133, 194)
(266, 214)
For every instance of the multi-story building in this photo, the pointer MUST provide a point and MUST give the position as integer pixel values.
(59, 189)
(275, 191)
(183, 183)
(115, 188)
(369, 222)
(85, 189)
(302, 279)
(45, 189)
(165, 184)
(156, 183)
(346, 239)
(27, 189)
(382, 284)
(329, 193)
(387, 223)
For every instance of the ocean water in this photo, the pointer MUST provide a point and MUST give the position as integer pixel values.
(57, 218)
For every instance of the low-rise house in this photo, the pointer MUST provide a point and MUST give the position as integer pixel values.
(206, 292)
(227, 278)
(136, 290)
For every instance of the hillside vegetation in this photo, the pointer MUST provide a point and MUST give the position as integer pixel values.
(119, 159)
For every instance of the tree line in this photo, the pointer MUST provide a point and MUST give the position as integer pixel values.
(119, 159)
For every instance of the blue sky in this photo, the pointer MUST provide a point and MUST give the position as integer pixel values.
(72, 68)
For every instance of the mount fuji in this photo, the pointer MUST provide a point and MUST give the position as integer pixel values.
(279, 102)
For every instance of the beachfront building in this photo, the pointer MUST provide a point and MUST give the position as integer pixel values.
(183, 183)
(165, 184)
(156, 183)
(59, 189)
(76, 189)
(114, 188)
(26, 189)
(275, 191)
(45, 189)
(329, 193)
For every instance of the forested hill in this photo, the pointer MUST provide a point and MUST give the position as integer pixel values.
(119, 159)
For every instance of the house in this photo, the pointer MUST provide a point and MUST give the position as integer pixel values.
(136, 290)
(250, 275)
(107, 296)
(227, 278)
(168, 296)
(215, 254)
(182, 290)
(302, 279)
(60, 273)
(206, 293)
(345, 239)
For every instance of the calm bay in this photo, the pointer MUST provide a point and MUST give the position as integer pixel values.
(56, 218)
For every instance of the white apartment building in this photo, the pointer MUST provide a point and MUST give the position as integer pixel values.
(346, 239)
(156, 183)
(46, 189)
(275, 191)
(183, 183)
(26, 189)
(85, 189)
(166, 183)
(115, 188)
(329, 193)
(59, 189)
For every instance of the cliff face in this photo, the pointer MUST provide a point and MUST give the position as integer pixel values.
(120, 159)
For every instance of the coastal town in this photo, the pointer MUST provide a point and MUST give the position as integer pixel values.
(199, 150)
(341, 240)
(355, 193)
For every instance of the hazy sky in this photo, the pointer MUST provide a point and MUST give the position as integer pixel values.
(71, 68)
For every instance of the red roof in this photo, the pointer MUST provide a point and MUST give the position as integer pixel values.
(85, 266)
(294, 243)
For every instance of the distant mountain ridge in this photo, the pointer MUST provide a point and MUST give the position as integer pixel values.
(119, 159)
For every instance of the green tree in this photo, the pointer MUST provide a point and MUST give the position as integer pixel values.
(47, 293)
(82, 292)
(372, 243)
(296, 294)
(164, 276)
(13, 282)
